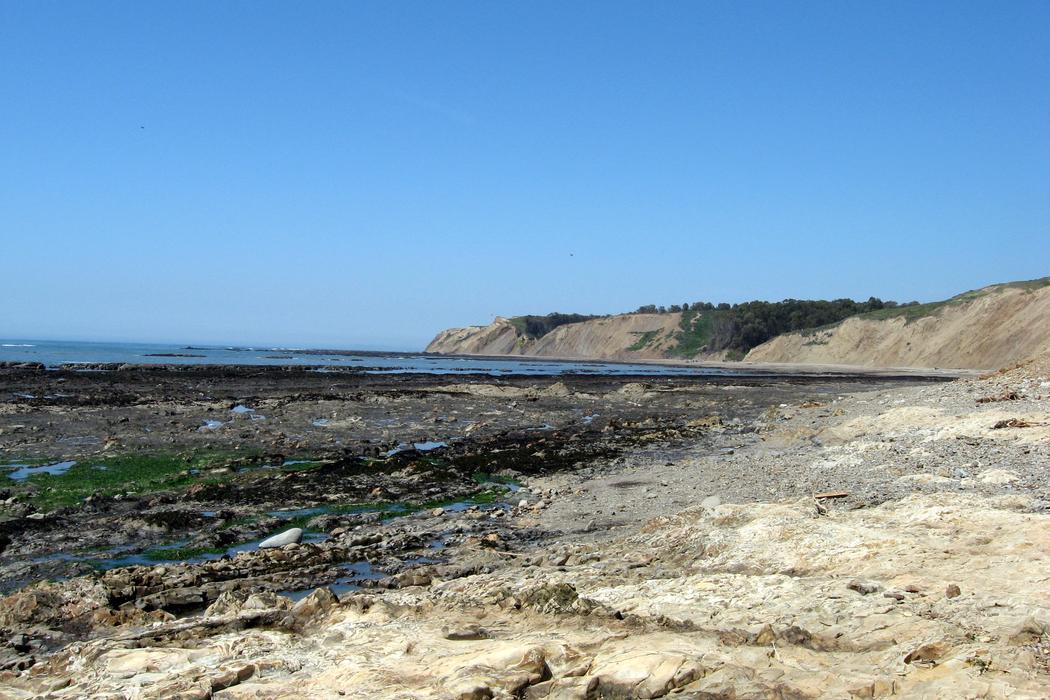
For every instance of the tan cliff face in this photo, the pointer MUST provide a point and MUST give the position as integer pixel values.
(984, 329)
(498, 338)
(629, 336)
(991, 328)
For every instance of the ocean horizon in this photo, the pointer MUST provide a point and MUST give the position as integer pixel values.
(69, 353)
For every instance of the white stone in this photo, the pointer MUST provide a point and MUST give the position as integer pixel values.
(293, 536)
(997, 476)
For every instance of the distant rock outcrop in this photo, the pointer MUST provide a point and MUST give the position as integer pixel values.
(628, 336)
(498, 338)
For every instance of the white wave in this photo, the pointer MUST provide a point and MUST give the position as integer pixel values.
(16, 345)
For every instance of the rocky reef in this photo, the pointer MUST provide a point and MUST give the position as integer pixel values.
(825, 541)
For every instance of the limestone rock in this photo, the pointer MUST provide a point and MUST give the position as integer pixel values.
(292, 536)
(469, 632)
(711, 502)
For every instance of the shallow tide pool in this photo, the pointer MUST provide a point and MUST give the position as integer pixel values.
(23, 471)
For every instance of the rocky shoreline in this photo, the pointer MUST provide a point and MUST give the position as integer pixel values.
(526, 537)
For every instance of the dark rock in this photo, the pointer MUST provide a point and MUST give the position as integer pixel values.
(864, 587)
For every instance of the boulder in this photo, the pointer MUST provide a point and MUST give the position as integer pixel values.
(310, 607)
(641, 674)
(293, 536)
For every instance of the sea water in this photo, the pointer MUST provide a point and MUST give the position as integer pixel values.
(53, 353)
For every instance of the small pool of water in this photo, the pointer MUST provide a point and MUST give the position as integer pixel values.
(141, 560)
(460, 506)
(286, 463)
(338, 510)
(425, 446)
(355, 573)
(298, 513)
(241, 408)
(321, 423)
(210, 425)
(23, 471)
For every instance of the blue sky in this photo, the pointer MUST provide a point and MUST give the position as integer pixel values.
(364, 174)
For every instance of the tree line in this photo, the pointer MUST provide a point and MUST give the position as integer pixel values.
(708, 327)
(539, 326)
(872, 304)
(740, 327)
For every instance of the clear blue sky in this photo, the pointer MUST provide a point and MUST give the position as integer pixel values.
(363, 174)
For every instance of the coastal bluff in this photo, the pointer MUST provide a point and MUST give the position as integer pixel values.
(621, 337)
(984, 329)
(981, 329)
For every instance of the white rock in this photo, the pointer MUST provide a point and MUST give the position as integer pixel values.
(711, 502)
(997, 476)
(293, 536)
(523, 503)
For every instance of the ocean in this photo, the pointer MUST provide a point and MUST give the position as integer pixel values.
(54, 353)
